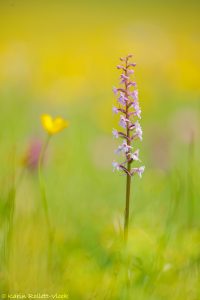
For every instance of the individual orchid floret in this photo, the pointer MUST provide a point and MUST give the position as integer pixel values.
(120, 67)
(116, 166)
(131, 65)
(124, 147)
(137, 111)
(129, 72)
(135, 95)
(139, 171)
(135, 155)
(115, 90)
(123, 122)
(122, 99)
(134, 104)
(115, 110)
(132, 83)
(115, 133)
(124, 78)
(138, 130)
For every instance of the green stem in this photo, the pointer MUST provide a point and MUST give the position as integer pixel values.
(128, 177)
(44, 199)
(126, 218)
